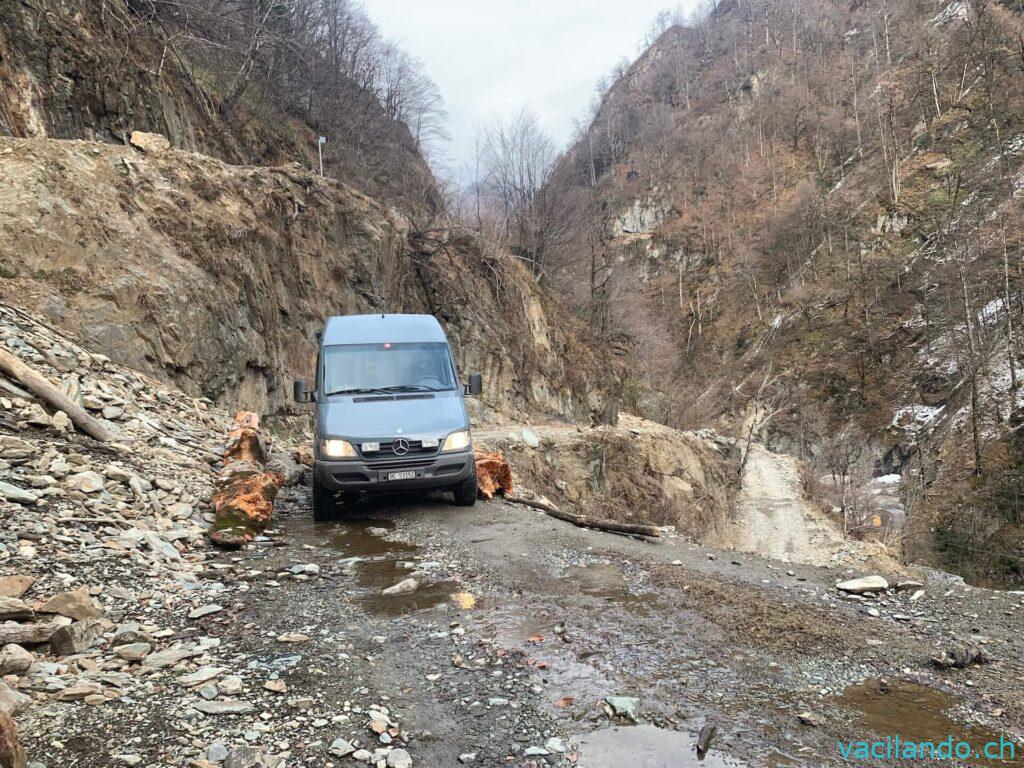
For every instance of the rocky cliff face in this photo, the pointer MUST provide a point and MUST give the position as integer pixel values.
(216, 277)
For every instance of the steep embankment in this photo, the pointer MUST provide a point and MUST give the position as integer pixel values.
(831, 193)
(216, 276)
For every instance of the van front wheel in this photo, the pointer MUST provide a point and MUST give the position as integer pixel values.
(323, 503)
(465, 492)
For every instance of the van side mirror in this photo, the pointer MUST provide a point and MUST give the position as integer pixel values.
(301, 391)
(476, 384)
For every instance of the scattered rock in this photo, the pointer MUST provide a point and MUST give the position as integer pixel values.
(86, 482)
(399, 758)
(13, 609)
(76, 604)
(960, 655)
(150, 143)
(11, 701)
(16, 494)
(863, 584)
(623, 706)
(76, 637)
(530, 438)
(205, 610)
(403, 587)
(340, 748)
(15, 586)
(11, 753)
(812, 719)
(250, 757)
(133, 651)
(224, 708)
(14, 660)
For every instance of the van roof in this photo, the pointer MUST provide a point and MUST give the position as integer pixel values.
(378, 329)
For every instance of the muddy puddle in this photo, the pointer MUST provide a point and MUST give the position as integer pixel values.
(645, 746)
(376, 563)
(920, 714)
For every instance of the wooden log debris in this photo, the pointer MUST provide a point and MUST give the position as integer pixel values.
(583, 521)
(243, 500)
(38, 384)
(493, 474)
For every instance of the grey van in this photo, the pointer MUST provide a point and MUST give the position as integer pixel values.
(390, 411)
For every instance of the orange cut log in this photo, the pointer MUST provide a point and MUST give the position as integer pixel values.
(493, 474)
(243, 500)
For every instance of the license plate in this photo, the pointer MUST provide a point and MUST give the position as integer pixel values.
(401, 475)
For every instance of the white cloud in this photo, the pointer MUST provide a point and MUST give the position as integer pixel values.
(491, 58)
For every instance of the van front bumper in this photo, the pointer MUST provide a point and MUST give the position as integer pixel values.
(437, 471)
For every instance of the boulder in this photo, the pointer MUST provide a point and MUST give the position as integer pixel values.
(11, 701)
(76, 637)
(403, 587)
(150, 143)
(76, 604)
(284, 465)
(14, 660)
(13, 609)
(250, 757)
(16, 494)
(11, 753)
(863, 584)
(86, 482)
(15, 586)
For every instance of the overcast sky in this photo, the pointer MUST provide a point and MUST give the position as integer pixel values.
(492, 57)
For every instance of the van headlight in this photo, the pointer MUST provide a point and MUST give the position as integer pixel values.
(337, 449)
(457, 441)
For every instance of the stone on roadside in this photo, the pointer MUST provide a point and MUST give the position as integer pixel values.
(340, 748)
(812, 719)
(292, 637)
(15, 586)
(16, 494)
(205, 610)
(85, 482)
(229, 707)
(12, 701)
(863, 584)
(399, 758)
(76, 637)
(13, 609)
(76, 604)
(530, 438)
(230, 685)
(403, 587)
(14, 660)
(133, 651)
(11, 753)
(624, 706)
(149, 143)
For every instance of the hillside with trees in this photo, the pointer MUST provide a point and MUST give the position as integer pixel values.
(806, 217)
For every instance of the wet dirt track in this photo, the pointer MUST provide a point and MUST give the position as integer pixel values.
(523, 625)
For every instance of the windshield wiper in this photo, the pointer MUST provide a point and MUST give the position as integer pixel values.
(411, 388)
(359, 391)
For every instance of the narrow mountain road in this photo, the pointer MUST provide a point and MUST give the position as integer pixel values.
(524, 629)
(775, 519)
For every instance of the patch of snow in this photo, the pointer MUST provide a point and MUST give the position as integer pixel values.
(888, 480)
(955, 10)
(990, 311)
(916, 417)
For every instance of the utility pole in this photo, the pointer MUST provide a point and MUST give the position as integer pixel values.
(320, 150)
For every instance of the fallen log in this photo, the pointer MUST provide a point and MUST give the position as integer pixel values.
(36, 383)
(493, 474)
(583, 521)
(243, 499)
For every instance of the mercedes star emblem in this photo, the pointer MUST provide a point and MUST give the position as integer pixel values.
(400, 446)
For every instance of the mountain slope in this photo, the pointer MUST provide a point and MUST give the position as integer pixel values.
(217, 276)
(825, 198)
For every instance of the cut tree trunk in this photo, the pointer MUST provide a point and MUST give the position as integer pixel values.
(493, 474)
(38, 384)
(583, 521)
(244, 497)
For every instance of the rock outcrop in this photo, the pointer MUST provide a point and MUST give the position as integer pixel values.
(216, 277)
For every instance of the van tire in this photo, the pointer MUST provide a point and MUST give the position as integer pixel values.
(465, 492)
(323, 503)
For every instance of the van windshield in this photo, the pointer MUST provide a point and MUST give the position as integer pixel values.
(351, 369)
